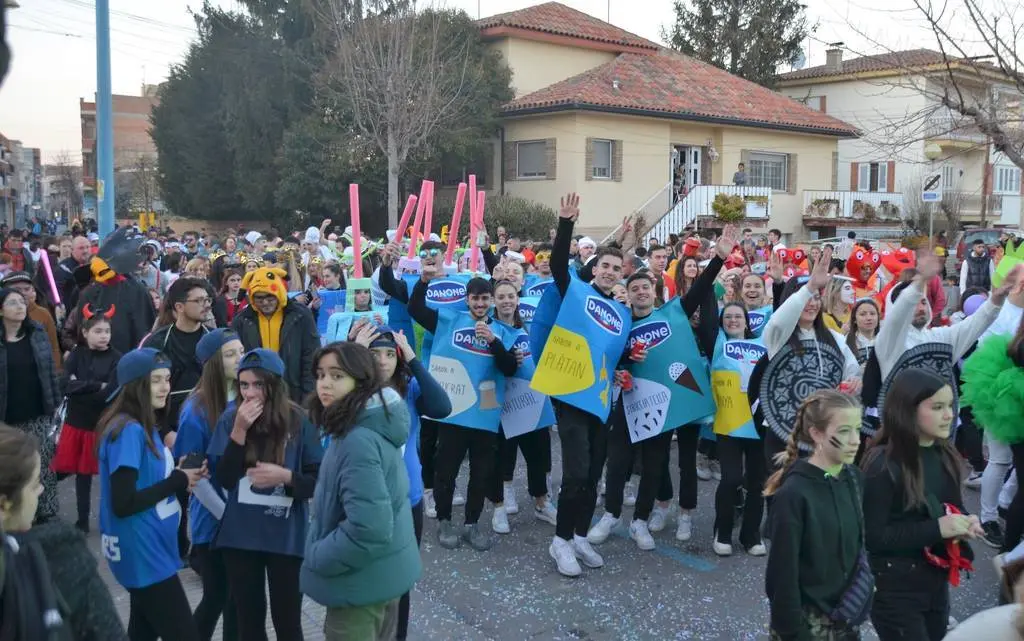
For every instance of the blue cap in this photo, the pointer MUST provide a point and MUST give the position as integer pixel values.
(261, 358)
(137, 364)
(385, 337)
(211, 343)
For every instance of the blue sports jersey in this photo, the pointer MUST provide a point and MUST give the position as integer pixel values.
(142, 549)
(194, 433)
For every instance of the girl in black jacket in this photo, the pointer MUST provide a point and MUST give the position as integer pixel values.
(90, 369)
(817, 580)
(914, 515)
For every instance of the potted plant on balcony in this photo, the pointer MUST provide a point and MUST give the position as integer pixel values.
(729, 209)
(864, 210)
(822, 208)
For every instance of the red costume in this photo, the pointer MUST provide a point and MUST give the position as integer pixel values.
(859, 258)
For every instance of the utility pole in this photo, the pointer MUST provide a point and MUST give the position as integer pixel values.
(104, 123)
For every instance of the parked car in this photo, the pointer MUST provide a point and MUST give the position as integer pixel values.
(990, 235)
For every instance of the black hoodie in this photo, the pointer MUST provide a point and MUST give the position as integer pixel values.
(816, 536)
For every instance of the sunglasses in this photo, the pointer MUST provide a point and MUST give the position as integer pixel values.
(543, 256)
(430, 253)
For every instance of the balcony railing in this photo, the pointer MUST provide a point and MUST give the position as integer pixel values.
(852, 205)
(698, 204)
(954, 129)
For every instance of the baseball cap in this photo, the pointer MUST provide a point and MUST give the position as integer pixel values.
(137, 364)
(262, 358)
(385, 338)
(16, 277)
(210, 343)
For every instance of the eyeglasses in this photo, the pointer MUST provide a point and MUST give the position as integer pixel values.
(430, 253)
(205, 300)
(543, 256)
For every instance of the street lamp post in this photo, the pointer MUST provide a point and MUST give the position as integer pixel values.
(932, 152)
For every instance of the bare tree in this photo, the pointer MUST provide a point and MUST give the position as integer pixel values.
(946, 216)
(397, 76)
(65, 192)
(144, 183)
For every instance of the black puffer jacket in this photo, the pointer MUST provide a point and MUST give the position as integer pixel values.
(299, 341)
(43, 353)
(74, 574)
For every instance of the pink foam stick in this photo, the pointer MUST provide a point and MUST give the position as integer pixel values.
(420, 207)
(357, 239)
(428, 215)
(482, 196)
(49, 276)
(472, 211)
(453, 231)
(403, 224)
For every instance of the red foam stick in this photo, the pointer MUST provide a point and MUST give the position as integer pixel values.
(403, 224)
(453, 231)
(420, 208)
(428, 216)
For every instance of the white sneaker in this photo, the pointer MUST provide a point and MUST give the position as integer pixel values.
(584, 552)
(951, 623)
(499, 521)
(684, 527)
(458, 498)
(973, 480)
(547, 513)
(511, 506)
(638, 532)
(599, 533)
(429, 508)
(703, 469)
(565, 557)
(629, 494)
(757, 550)
(716, 470)
(659, 519)
(721, 549)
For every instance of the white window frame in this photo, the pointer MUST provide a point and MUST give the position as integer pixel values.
(598, 172)
(864, 176)
(535, 174)
(950, 174)
(758, 161)
(1007, 180)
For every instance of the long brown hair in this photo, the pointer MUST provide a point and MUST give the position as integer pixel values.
(517, 320)
(683, 284)
(358, 362)
(898, 439)
(228, 273)
(18, 452)
(133, 403)
(211, 393)
(815, 412)
(851, 336)
(280, 421)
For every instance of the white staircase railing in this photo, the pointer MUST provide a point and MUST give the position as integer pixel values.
(698, 203)
(652, 209)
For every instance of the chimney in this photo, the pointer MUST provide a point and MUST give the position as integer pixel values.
(834, 57)
(615, 84)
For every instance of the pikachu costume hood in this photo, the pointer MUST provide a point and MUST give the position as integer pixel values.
(268, 280)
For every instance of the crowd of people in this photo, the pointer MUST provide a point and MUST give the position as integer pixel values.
(258, 410)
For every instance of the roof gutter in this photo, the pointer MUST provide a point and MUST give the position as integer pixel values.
(653, 113)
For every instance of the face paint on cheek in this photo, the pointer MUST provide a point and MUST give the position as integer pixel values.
(834, 442)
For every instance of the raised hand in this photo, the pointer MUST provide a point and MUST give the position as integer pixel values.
(366, 335)
(570, 207)
(1014, 279)
(928, 267)
(248, 412)
(726, 242)
(775, 267)
(819, 275)
(404, 347)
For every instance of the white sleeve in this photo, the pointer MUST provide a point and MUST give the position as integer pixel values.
(851, 368)
(964, 334)
(784, 320)
(891, 341)
(991, 270)
(963, 276)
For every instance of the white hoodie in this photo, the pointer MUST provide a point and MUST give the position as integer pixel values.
(898, 333)
(786, 319)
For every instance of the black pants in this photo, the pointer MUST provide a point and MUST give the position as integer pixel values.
(772, 445)
(968, 440)
(653, 455)
(687, 437)
(183, 540)
(249, 573)
(452, 444)
(161, 611)
(216, 596)
(911, 600)
(533, 445)
(584, 439)
(83, 498)
(1015, 513)
(403, 604)
(742, 461)
(428, 450)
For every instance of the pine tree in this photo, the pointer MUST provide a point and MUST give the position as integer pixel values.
(748, 38)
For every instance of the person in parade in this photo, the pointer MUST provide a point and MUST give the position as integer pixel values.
(581, 412)
(915, 521)
(477, 360)
(817, 580)
(535, 444)
(864, 324)
(139, 512)
(218, 352)
(90, 369)
(22, 283)
(231, 299)
(47, 573)
(837, 303)
(265, 452)
(361, 553)
(29, 387)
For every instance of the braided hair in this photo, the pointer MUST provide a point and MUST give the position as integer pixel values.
(815, 412)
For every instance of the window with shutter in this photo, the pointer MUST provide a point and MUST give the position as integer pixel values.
(531, 159)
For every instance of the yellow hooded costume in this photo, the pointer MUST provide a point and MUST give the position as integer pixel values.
(268, 280)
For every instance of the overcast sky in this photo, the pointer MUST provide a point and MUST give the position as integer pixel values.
(54, 48)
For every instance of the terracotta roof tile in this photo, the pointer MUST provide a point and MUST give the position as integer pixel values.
(556, 18)
(682, 87)
(894, 61)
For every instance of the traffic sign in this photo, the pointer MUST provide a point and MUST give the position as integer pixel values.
(931, 189)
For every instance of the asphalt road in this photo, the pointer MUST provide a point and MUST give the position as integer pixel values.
(514, 593)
